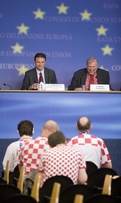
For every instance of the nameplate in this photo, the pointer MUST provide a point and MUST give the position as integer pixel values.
(99, 87)
(54, 87)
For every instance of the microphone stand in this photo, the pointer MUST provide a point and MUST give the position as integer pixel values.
(8, 86)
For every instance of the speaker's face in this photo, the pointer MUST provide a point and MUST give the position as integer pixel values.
(92, 67)
(40, 63)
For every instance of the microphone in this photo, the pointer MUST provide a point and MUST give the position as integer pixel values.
(8, 86)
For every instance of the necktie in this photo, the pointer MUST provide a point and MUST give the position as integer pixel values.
(91, 81)
(40, 78)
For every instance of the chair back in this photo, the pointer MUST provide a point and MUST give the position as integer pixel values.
(96, 178)
(78, 199)
(35, 188)
(16, 174)
(116, 187)
(46, 189)
(69, 193)
(107, 185)
(101, 198)
(13, 176)
(6, 173)
(19, 198)
(90, 167)
(55, 193)
(21, 179)
(2, 181)
(7, 190)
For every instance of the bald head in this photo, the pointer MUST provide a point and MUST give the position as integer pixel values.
(49, 127)
(84, 124)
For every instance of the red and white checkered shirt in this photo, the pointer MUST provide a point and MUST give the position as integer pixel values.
(30, 153)
(61, 160)
(93, 148)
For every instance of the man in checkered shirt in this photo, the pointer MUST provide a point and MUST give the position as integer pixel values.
(93, 148)
(31, 151)
(62, 160)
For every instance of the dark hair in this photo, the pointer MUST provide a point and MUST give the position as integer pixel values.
(84, 127)
(56, 138)
(25, 128)
(40, 55)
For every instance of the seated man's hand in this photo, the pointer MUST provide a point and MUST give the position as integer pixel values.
(78, 89)
(33, 86)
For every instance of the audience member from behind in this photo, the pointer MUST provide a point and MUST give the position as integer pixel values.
(30, 152)
(25, 129)
(89, 75)
(31, 79)
(61, 159)
(93, 148)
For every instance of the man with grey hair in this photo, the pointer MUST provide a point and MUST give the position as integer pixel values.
(89, 75)
(31, 151)
(93, 148)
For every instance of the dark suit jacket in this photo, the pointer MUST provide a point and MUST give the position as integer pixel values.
(31, 78)
(79, 78)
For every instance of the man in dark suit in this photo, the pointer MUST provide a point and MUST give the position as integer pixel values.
(90, 75)
(31, 79)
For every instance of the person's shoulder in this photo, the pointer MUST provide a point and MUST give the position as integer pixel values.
(100, 140)
(26, 142)
(83, 70)
(73, 149)
(48, 69)
(13, 144)
(103, 71)
(88, 135)
(40, 139)
(75, 137)
(30, 71)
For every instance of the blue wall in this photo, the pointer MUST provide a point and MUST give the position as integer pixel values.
(104, 110)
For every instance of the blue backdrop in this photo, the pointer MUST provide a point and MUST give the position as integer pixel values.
(68, 32)
(65, 108)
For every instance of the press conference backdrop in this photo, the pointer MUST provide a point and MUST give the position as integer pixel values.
(104, 110)
(68, 32)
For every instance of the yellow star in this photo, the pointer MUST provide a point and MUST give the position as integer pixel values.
(85, 15)
(22, 29)
(22, 70)
(62, 8)
(39, 14)
(17, 48)
(107, 50)
(101, 30)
